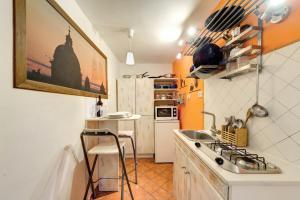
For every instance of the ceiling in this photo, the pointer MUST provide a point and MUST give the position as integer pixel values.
(149, 19)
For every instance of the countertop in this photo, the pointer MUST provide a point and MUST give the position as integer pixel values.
(133, 117)
(290, 173)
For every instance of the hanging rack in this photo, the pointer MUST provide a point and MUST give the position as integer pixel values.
(235, 12)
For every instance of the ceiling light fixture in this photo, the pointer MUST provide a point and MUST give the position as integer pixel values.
(191, 31)
(179, 56)
(180, 43)
(130, 56)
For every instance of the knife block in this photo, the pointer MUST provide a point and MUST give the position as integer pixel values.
(235, 136)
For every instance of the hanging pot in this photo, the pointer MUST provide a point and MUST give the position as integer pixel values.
(209, 54)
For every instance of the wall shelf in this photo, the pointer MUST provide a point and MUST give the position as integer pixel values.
(200, 75)
(165, 99)
(226, 74)
(246, 35)
(166, 90)
(247, 51)
(166, 79)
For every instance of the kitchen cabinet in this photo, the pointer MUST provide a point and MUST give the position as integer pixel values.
(126, 95)
(193, 180)
(137, 96)
(145, 135)
(144, 96)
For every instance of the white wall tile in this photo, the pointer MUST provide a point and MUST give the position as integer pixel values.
(289, 96)
(279, 93)
(289, 50)
(289, 123)
(273, 133)
(289, 149)
(296, 138)
(289, 71)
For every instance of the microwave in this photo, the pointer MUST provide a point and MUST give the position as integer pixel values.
(166, 113)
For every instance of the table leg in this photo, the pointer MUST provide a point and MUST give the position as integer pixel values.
(135, 154)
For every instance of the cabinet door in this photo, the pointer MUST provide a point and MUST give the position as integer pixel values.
(198, 188)
(180, 166)
(126, 95)
(145, 96)
(145, 135)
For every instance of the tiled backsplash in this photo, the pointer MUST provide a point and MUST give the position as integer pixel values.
(278, 134)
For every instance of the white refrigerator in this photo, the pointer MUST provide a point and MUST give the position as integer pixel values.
(164, 140)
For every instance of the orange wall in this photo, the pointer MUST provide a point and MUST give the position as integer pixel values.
(189, 113)
(275, 36)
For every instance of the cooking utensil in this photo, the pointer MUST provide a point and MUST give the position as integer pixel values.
(216, 20)
(256, 109)
(209, 54)
(248, 116)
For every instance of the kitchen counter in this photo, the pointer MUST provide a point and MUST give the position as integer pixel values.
(290, 175)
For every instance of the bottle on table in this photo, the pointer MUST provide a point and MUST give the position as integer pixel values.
(99, 104)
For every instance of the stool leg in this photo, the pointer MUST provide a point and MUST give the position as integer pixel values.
(123, 166)
(122, 190)
(90, 171)
(135, 161)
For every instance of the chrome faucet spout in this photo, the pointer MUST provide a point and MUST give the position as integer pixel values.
(213, 126)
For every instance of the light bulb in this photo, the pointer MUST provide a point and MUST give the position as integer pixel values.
(275, 3)
(178, 56)
(180, 43)
(129, 58)
(191, 31)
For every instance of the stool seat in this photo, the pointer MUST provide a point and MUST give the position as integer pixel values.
(106, 148)
(125, 133)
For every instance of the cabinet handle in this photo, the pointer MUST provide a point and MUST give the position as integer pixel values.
(187, 172)
(183, 167)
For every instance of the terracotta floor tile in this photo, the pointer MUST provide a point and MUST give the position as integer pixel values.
(154, 182)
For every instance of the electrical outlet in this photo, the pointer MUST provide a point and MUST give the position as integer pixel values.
(200, 94)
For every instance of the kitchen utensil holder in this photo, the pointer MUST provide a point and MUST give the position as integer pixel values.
(235, 136)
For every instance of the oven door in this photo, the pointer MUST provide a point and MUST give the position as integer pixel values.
(163, 113)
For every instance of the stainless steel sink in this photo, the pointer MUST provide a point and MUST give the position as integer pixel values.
(196, 135)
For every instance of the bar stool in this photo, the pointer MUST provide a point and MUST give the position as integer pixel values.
(130, 135)
(106, 148)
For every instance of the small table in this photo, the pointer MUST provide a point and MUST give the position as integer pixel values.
(108, 165)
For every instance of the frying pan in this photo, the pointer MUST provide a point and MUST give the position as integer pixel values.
(216, 21)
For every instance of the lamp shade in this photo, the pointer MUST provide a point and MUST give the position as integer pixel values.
(129, 58)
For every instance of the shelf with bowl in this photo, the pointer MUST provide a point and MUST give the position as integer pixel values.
(244, 36)
(251, 50)
(165, 99)
(166, 79)
(166, 90)
(196, 73)
(229, 74)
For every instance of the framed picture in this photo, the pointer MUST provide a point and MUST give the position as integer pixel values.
(52, 53)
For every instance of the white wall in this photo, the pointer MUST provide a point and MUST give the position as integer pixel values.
(278, 134)
(35, 126)
(152, 69)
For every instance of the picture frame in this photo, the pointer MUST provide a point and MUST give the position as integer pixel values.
(68, 70)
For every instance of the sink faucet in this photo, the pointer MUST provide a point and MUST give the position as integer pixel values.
(213, 128)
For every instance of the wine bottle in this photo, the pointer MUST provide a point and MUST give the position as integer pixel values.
(99, 104)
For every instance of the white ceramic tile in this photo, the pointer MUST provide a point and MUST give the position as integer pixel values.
(289, 123)
(296, 110)
(289, 149)
(297, 162)
(289, 71)
(275, 109)
(296, 138)
(289, 96)
(274, 62)
(262, 141)
(274, 133)
(274, 152)
(296, 55)
(274, 85)
(296, 82)
(289, 50)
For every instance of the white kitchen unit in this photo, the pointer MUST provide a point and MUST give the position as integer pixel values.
(137, 96)
(164, 140)
(197, 176)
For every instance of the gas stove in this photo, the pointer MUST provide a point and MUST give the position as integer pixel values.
(235, 159)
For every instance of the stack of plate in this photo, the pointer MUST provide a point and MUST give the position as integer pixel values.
(118, 115)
